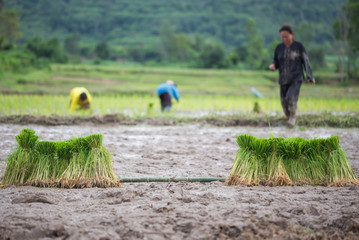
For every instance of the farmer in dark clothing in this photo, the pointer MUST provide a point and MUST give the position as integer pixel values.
(290, 57)
(165, 92)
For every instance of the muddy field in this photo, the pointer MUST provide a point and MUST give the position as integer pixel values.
(178, 210)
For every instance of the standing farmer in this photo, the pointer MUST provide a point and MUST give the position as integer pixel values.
(290, 57)
(165, 92)
(79, 96)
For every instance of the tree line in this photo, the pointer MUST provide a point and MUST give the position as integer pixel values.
(189, 49)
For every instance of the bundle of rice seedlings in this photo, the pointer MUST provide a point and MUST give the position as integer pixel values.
(72, 176)
(64, 152)
(250, 165)
(43, 168)
(21, 160)
(90, 165)
(277, 172)
(79, 162)
(292, 161)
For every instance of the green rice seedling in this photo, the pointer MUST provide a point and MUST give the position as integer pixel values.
(73, 173)
(90, 165)
(21, 160)
(27, 138)
(292, 161)
(43, 168)
(257, 108)
(250, 164)
(98, 166)
(64, 152)
(339, 170)
(276, 172)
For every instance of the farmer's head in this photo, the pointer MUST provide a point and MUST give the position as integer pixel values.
(83, 97)
(287, 34)
(170, 82)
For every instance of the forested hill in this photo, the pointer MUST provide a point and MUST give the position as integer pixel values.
(139, 21)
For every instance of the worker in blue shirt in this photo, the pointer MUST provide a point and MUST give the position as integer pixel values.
(165, 92)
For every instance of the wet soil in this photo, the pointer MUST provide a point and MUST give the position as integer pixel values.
(178, 210)
(258, 120)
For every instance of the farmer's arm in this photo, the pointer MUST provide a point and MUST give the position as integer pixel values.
(73, 104)
(175, 93)
(275, 64)
(307, 67)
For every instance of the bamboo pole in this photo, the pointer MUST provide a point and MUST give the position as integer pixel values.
(172, 179)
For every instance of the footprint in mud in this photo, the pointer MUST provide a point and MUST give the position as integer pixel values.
(31, 198)
(163, 209)
(308, 210)
(311, 210)
(41, 232)
(117, 196)
(185, 228)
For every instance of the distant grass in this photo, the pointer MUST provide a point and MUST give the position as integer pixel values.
(190, 105)
(119, 79)
(129, 90)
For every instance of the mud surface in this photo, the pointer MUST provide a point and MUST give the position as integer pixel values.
(178, 210)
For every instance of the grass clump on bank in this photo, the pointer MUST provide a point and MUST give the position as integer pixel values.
(76, 163)
(292, 161)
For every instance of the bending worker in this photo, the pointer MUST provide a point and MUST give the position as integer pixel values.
(290, 57)
(79, 96)
(165, 92)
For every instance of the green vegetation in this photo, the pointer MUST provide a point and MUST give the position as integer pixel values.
(138, 105)
(118, 78)
(346, 34)
(201, 34)
(129, 22)
(292, 161)
(76, 163)
(122, 50)
(131, 91)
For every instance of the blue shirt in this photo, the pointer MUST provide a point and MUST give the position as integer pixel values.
(168, 88)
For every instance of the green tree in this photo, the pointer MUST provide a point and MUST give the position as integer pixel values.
(346, 33)
(352, 13)
(102, 50)
(50, 49)
(179, 47)
(317, 57)
(167, 31)
(71, 45)
(197, 42)
(304, 32)
(175, 46)
(254, 45)
(213, 56)
(9, 28)
(242, 53)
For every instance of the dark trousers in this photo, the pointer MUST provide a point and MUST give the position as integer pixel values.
(166, 102)
(289, 94)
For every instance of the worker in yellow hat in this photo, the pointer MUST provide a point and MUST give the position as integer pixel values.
(79, 96)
